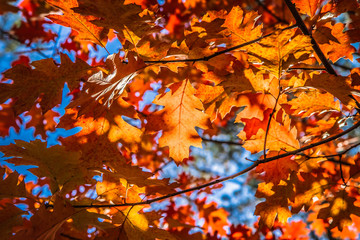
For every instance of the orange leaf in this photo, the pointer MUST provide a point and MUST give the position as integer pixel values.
(336, 85)
(276, 204)
(278, 169)
(82, 24)
(295, 230)
(182, 113)
(240, 26)
(308, 103)
(280, 137)
(308, 7)
(339, 44)
(110, 125)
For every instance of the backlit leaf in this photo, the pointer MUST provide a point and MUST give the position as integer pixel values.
(182, 113)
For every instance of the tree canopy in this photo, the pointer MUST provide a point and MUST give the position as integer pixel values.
(269, 88)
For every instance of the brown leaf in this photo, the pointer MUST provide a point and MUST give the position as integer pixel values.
(46, 81)
(45, 223)
(339, 208)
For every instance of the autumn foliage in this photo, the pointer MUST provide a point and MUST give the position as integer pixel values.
(278, 78)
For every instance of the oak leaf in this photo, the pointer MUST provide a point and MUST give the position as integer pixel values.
(280, 137)
(276, 204)
(10, 217)
(255, 105)
(182, 113)
(110, 125)
(240, 26)
(336, 85)
(117, 191)
(8, 119)
(45, 223)
(129, 20)
(308, 103)
(308, 187)
(41, 122)
(279, 51)
(81, 24)
(107, 87)
(209, 95)
(42, 81)
(33, 30)
(339, 208)
(339, 44)
(277, 170)
(10, 187)
(308, 7)
(60, 166)
(136, 225)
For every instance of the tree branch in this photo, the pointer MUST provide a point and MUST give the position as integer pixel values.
(300, 23)
(256, 163)
(207, 58)
(12, 37)
(307, 68)
(222, 142)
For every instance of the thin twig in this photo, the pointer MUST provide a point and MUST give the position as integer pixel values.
(307, 68)
(33, 50)
(256, 163)
(341, 171)
(270, 117)
(12, 37)
(305, 31)
(161, 167)
(334, 155)
(222, 142)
